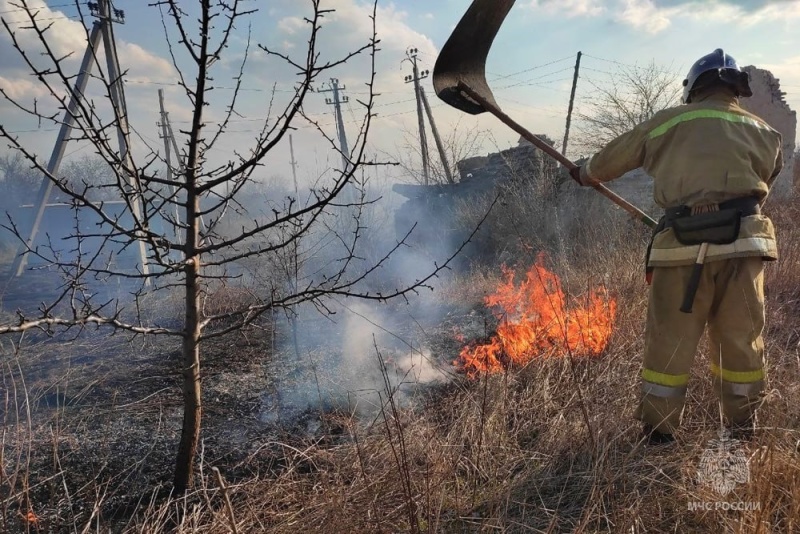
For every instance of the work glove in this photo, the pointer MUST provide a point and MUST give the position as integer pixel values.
(582, 180)
(575, 172)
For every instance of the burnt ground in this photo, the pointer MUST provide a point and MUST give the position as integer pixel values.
(91, 424)
(98, 419)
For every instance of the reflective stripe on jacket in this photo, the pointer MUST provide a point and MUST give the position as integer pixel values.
(705, 152)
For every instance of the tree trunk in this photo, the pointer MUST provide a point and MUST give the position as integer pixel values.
(192, 400)
(192, 405)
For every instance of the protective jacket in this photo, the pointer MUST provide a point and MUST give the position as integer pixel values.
(706, 152)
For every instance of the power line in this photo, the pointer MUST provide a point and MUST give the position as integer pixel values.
(18, 22)
(352, 113)
(254, 89)
(250, 89)
(529, 83)
(627, 64)
(378, 116)
(33, 9)
(176, 84)
(498, 77)
(540, 80)
(535, 67)
(34, 130)
(261, 90)
(600, 71)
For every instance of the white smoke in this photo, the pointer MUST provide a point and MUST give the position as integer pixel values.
(360, 360)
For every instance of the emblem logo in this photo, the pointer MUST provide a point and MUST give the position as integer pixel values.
(723, 464)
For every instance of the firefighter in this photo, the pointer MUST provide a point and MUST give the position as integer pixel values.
(712, 164)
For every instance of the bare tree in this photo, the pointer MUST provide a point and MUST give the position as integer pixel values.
(19, 180)
(460, 143)
(194, 250)
(91, 170)
(633, 94)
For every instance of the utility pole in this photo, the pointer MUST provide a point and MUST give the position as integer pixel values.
(169, 144)
(293, 163)
(571, 101)
(439, 144)
(411, 55)
(337, 102)
(294, 259)
(169, 141)
(101, 31)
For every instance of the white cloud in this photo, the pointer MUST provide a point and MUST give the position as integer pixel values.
(643, 15)
(292, 25)
(729, 13)
(772, 11)
(65, 36)
(68, 37)
(570, 8)
(651, 17)
(21, 87)
(144, 65)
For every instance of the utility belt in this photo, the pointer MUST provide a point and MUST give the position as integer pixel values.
(718, 227)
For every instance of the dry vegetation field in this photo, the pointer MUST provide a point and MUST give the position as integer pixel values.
(546, 447)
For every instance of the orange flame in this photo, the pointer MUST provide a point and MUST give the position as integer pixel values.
(536, 320)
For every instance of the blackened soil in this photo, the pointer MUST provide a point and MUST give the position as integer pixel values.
(91, 425)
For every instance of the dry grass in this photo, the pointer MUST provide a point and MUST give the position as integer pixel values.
(510, 452)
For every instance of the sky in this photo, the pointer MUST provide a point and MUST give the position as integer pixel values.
(530, 66)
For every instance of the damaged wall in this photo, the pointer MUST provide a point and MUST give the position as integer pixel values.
(768, 103)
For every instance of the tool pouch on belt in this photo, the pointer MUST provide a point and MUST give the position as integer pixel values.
(716, 227)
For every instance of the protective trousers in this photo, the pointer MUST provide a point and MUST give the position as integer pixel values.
(730, 299)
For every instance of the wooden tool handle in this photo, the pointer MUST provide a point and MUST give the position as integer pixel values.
(694, 280)
(635, 212)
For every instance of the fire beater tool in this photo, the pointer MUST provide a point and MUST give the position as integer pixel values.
(459, 78)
